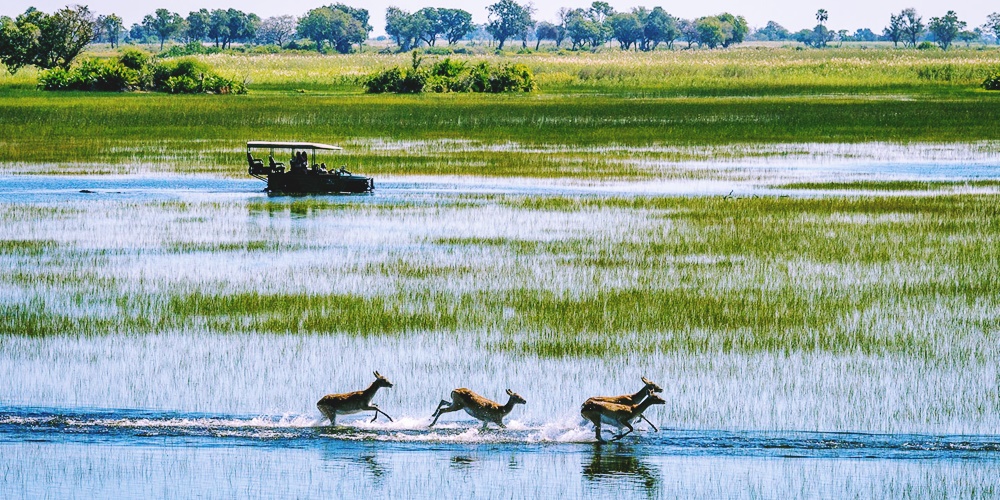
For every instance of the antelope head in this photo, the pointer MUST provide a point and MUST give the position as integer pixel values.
(651, 386)
(381, 381)
(653, 399)
(515, 397)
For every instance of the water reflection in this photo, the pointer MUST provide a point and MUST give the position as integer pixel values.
(621, 468)
(375, 469)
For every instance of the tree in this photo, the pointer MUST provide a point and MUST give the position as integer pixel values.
(218, 26)
(993, 25)
(138, 34)
(404, 27)
(822, 16)
(591, 26)
(432, 26)
(946, 29)
(276, 30)
(658, 27)
(164, 23)
(198, 22)
(734, 28)
(43, 40)
(689, 31)
(109, 28)
(913, 26)
(336, 24)
(545, 31)
(507, 20)
(773, 32)
(627, 29)
(710, 32)
(242, 27)
(864, 35)
(970, 36)
(895, 30)
(455, 24)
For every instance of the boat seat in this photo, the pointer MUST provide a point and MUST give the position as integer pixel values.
(256, 166)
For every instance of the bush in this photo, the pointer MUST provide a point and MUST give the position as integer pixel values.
(451, 76)
(134, 70)
(189, 49)
(91, 74)
(134, 58)
(55, 79)
(926, 46)
(992, 82)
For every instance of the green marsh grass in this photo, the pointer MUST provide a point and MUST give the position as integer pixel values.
(590, 276)
(612, 100)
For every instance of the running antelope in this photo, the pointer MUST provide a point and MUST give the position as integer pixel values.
(483, 409)
(632, 399)
(353, 402)
(616, 414)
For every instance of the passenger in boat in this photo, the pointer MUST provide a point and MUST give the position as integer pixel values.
(299, 161)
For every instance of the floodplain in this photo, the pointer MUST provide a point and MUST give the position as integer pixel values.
(816, 297)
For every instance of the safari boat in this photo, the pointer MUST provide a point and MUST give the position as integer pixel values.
(302, 174)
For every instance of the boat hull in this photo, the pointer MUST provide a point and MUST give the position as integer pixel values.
(318, 182)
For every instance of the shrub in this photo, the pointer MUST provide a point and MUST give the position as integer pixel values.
(91, 74)
(55, 79)
(133, 70)
(182, 84)
(133, 58)
(926, 46)
(189, 49)
(451, 76)
(992, 82)
(512, 78)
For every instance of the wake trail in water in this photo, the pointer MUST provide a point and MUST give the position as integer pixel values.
(136, 427)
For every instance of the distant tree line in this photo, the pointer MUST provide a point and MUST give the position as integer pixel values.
(53, 40)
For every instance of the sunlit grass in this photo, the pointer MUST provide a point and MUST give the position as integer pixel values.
(595, 113)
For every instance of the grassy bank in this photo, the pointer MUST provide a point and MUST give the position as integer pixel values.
(588, 102)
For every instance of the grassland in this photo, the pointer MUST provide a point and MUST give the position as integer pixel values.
(590, 106)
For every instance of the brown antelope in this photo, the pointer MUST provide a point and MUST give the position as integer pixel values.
(353, 402)
(483, 409)
(632, 399)
(616, 414)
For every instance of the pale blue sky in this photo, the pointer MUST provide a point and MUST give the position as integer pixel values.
(794, 15)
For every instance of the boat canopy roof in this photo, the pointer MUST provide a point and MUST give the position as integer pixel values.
(291, 145)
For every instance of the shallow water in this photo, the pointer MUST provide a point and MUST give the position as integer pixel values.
(186, 413)
(122, 453)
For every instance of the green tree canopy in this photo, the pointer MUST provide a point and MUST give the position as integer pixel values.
(164, 23)
(197, 25)
(455, 24)
(405, 28)
(912, 25)
(710, 32)
(627, 29)
(993, 25)
(337, 24)
(109, 28)
(658, 27)
(773, 32)
(946, 29)
(43, 40)
(508, 19)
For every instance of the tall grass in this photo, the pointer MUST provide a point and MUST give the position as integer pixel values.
(749, 96)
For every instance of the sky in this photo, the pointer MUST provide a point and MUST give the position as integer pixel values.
(792, 14)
